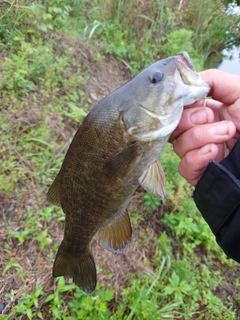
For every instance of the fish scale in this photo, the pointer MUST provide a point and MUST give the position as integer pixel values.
(115, 149)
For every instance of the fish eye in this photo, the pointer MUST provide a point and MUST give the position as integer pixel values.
(156, 77)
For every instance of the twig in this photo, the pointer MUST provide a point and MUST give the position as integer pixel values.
(11, 5)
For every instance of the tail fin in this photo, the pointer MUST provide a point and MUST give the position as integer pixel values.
(79, 266)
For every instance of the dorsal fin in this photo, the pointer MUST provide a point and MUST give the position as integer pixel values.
(53, 192)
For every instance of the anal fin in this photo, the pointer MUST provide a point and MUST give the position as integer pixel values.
(153, 180)
(116, 235)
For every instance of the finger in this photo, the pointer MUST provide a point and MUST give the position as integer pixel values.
(232, 112)
(198, 103)
(225, 86)
(225, 112)
(199, 136)
(194, 162)
(191, 117)
(216, 107)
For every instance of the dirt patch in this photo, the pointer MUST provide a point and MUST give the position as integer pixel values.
(106, 73)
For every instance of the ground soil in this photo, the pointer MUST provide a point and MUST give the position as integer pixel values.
(105, 76)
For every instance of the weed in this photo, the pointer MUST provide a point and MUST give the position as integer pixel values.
(85, 306)
(177, 41)
(11, 264)
(46, 214)
(22, 235)
(77, 114)
(55, 299)
(43, 239)
(163, 248)
(142, 301)
(140, 34)
(43, 99)
(178, 287)
(150, 201)
(28, 303)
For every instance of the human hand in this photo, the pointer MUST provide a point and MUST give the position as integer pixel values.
(209, 128)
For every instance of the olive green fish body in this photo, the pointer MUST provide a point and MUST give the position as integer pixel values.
(117, 148)
(89, 190)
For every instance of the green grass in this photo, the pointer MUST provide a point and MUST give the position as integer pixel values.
(48, 63)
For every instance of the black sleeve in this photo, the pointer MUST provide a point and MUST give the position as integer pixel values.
(217, 196)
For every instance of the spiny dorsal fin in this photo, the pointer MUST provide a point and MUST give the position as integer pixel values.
(153, 180)
(53, 192)
(116, 235)
(79, 266)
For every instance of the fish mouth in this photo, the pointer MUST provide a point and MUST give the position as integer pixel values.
(187, 71)
(183, 61)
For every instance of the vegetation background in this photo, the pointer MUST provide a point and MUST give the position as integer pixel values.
(58, 58)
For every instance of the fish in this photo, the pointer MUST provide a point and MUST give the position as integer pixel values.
(116, 149)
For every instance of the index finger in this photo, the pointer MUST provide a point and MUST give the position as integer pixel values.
(192, 117)
(225, 87)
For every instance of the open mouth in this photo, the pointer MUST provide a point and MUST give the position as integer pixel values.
(183, 61)
(187, 71)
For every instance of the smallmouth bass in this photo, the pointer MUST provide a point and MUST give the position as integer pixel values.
(115, 149)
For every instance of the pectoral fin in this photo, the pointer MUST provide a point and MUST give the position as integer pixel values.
(124, 161)
(153, 180)
(53, 192)
(116, 235)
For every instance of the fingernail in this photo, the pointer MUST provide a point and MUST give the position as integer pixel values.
(199, 117)
(220, 129)
(204, 150)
